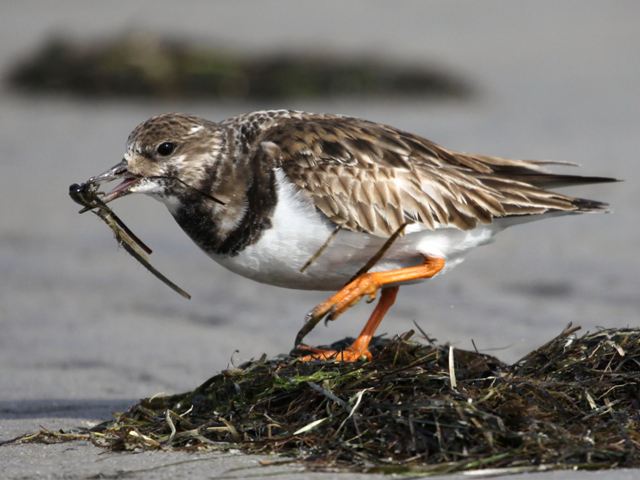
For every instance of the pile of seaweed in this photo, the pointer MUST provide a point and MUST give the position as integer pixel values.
(418, 407)
(147, 65)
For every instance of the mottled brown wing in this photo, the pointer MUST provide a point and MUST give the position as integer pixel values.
(373, 178)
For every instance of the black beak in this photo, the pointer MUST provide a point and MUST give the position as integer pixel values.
(113, 173)
(117, 172)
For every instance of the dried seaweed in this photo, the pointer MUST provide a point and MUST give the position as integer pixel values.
(87, 195)
(573, 403)
(151, 66)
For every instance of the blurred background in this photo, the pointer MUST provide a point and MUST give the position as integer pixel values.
(80, 321)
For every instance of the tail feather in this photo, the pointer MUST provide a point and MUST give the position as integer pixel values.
(515, 178)
(587, 205)
(552, 180)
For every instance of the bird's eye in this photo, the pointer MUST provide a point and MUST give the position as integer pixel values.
(166, 148)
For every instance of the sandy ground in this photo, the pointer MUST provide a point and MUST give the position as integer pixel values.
(85, 331)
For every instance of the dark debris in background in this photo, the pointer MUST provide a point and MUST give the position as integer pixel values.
(572, 403)
(146, 65)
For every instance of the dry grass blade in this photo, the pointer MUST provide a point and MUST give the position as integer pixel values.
(380, 253)
(321, 250)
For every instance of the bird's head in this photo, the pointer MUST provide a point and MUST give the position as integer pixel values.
(165, 155)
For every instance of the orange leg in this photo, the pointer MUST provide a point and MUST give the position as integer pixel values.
(368, 285)
(359, 349)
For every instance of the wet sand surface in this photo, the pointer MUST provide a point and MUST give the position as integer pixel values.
(85, 331)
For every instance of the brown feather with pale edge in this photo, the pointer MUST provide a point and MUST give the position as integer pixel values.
(373, 178)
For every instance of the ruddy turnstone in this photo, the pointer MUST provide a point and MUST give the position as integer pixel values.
(304, 201)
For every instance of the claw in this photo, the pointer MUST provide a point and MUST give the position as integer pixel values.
(311, 320)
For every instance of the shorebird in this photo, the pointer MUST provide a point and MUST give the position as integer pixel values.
(306, 201)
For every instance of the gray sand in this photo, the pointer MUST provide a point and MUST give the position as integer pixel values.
(85, 331)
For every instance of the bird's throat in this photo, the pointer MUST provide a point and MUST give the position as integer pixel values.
(228, 229)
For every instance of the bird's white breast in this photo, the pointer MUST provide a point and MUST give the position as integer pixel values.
(299, 230)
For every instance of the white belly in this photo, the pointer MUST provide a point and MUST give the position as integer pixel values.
(299, 231)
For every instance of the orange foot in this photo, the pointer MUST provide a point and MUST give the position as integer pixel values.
(350, 354)
(359, 349)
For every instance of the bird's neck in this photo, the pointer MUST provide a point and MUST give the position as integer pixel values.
(246, 185)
